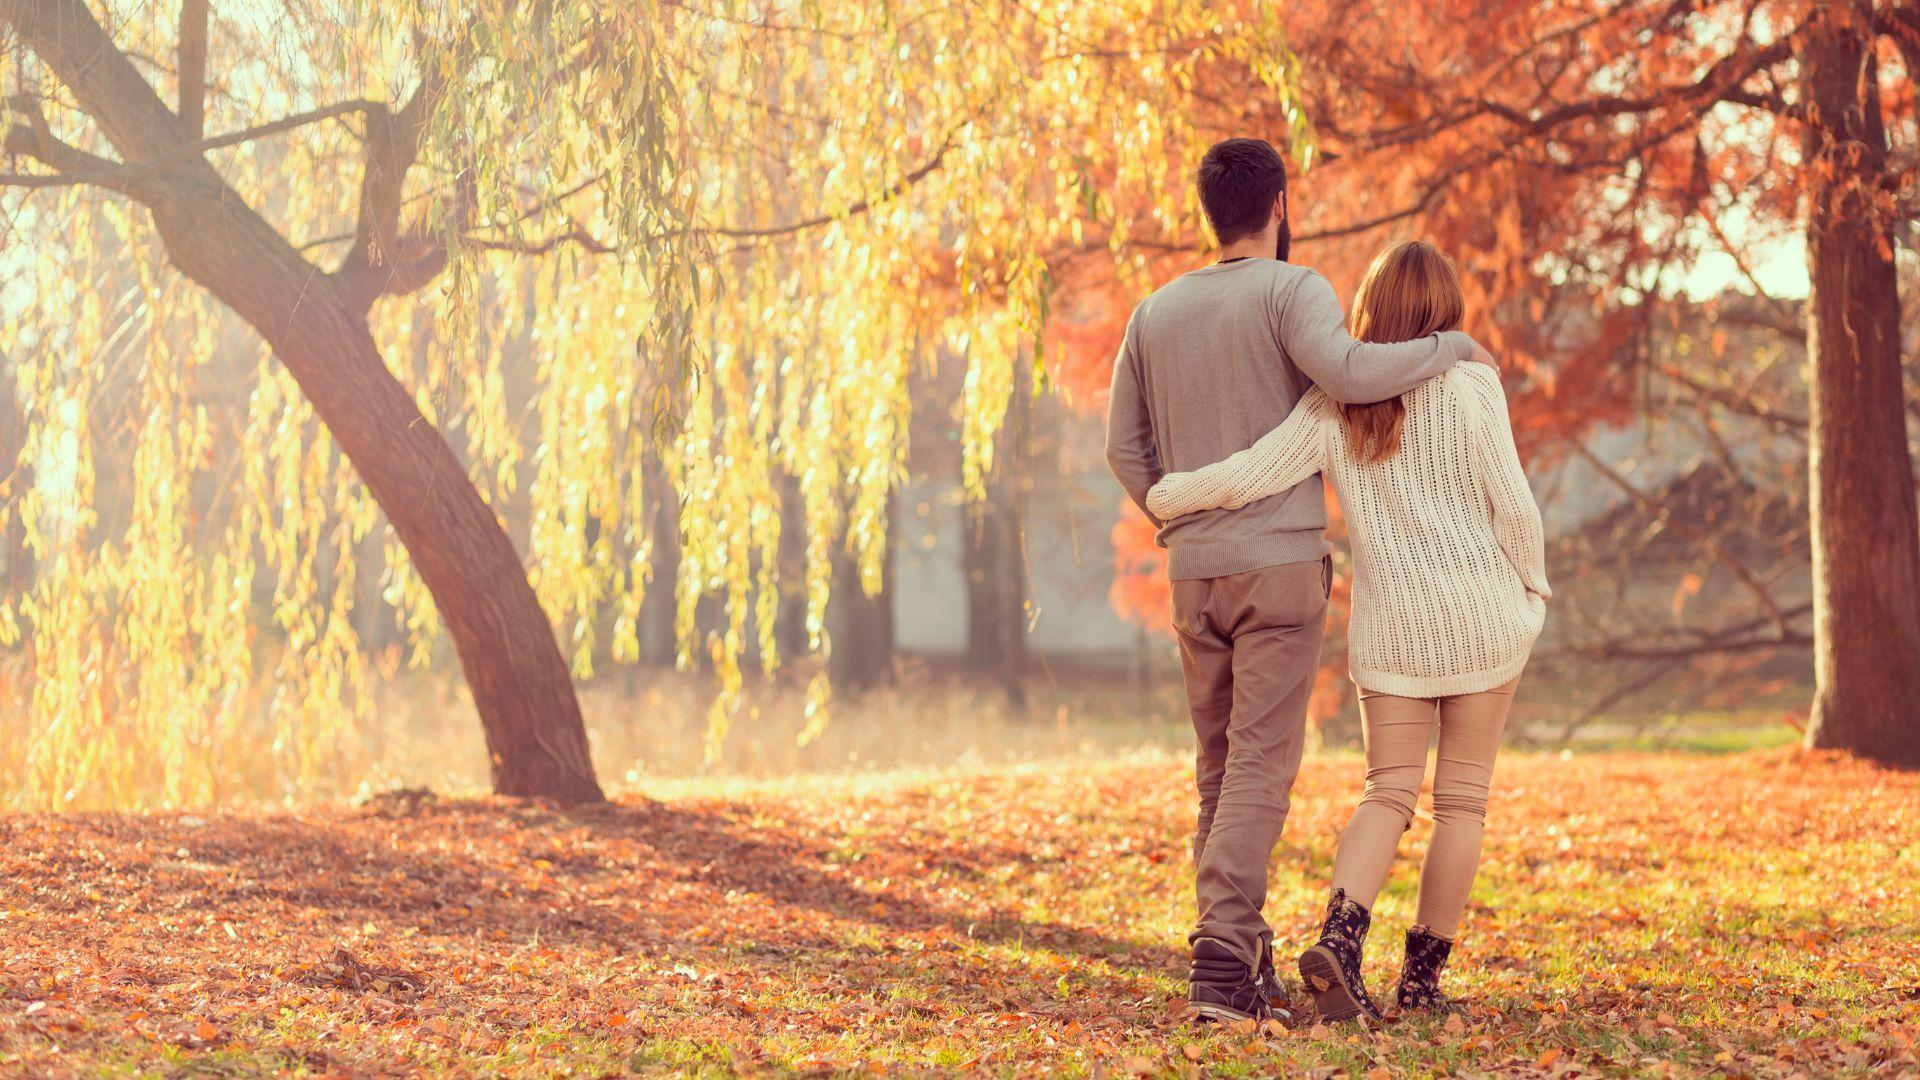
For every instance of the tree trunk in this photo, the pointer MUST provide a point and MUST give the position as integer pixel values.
(790, 626)
(1866, 541)
(862, 638)
(986, 563)
(536, 740)
(996, 558)
(860, 627)
(659, 645)
(995, 562)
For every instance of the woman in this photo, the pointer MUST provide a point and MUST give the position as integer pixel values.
(1449, 593)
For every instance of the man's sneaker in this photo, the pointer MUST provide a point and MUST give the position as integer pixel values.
(1270, 984)
(1222, 987)
(1331, 968)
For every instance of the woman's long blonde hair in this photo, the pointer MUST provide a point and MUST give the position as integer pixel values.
(1410, 291)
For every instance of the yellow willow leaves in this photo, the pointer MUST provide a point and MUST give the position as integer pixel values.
(696, 254)
(134, 653)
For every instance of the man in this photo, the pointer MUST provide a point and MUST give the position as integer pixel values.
(1211, 362)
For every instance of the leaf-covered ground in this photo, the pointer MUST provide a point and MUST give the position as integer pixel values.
(1751, 915)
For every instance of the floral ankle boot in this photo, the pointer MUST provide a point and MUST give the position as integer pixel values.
(1419, 986)
(1331, 968)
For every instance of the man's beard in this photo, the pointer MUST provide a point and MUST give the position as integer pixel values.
(1285, 245)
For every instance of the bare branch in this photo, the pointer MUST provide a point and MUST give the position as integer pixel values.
(36, 140)
(374, 265)
(66, 36)
(1722, 82)
(1772, 103)
(1712, 219)
(1434, 189)
(1720, 554)
(1621, 691)
(1690, 643)
(156, 150)
(193, 66)
(580, 236)
(893, 190)
(1732, 401)
(1723, 78)
(576, 235)
(31, 181)
(1786, 326)
(117, 175)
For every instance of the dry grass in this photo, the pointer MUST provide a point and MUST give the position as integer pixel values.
(1750, 914)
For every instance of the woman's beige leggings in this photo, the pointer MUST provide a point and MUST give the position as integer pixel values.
(1397, 732)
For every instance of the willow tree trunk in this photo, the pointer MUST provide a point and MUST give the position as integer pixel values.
(1866, 541)
(536, 740)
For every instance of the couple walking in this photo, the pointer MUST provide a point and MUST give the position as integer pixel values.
(1237, 387)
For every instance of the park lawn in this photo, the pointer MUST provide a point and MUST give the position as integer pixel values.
(1746, 914)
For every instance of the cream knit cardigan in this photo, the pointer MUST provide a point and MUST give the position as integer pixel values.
(1449, 559)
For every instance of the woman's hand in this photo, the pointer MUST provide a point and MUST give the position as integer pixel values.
(1160, 496)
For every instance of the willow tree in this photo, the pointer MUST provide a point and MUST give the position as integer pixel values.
(725, 231)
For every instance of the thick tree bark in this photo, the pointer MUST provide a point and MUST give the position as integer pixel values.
(1866, 540)
(316, 325)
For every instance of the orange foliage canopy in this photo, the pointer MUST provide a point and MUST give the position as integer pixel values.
(1573, 158)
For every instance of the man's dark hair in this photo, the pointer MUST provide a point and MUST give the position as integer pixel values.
(1239, 179)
